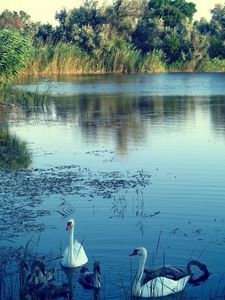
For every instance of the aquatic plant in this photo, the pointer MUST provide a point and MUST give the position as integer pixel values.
(119, 206)
(31, 99)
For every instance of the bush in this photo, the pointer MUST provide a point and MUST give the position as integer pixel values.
(15, 51)
(212, 65)
(154, 62)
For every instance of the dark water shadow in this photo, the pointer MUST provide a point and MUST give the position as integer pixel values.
(14, 153)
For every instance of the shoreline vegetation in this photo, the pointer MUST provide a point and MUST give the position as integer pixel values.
(151, 64)
(125, 36)
(73, 64)
(66, 59)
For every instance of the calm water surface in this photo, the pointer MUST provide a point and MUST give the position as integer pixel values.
(166, 135)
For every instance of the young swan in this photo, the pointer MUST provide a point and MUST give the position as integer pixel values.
(90, 280)
(74, 255)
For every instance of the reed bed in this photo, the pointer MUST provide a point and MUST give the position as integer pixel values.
(154, 62)
(60, 59)
(212, 65)
(118, 57)
(27, 99)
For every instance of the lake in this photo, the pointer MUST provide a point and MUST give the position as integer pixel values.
(134, 159)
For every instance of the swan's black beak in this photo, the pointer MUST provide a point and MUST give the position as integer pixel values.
(68, 226)
(133, 253)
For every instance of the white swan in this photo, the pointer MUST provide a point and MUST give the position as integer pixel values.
(74, 255)
(162, 281)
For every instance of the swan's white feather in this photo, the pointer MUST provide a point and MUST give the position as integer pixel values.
(161, 286)
(79, 256)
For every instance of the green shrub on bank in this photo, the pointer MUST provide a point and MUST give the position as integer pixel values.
(211, 65)
(154, 62)
(15, 51)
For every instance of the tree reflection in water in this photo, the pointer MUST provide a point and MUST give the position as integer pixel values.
(126, 118)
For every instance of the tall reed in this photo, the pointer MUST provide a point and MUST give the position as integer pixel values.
(154, 62)
(118, 57)
(211, 65)
(59, 59)
(115, 56)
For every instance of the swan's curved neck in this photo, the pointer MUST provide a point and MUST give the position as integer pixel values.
(71, 243)
(141, 268)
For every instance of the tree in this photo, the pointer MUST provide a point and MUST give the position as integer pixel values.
(86, 15)
(171, 11)
(44, 32)
(172, 47)
(216, 48)
(85, 24)
(203, 26)
(15, 20)
(61, 17)
(80, 26)
(217, 32)
(149, 34)
(123, 15)
(159, 19)
(164, 27)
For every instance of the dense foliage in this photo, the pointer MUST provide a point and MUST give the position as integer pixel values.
(15, 51)
(125, 36)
